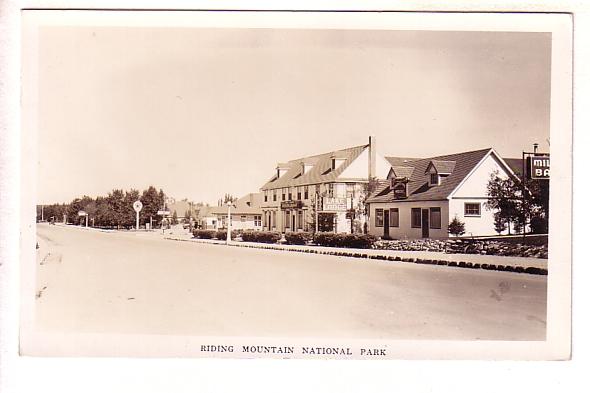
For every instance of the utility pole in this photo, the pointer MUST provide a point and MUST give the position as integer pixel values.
(228, 238)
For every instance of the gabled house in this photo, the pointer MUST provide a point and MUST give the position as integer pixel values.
(421, 197)
(331, 184)
(245, 214)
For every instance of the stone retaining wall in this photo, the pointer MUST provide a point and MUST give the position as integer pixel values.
(465, 246)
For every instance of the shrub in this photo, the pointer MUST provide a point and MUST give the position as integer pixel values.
(344, 240)
(261, 236)
(221, 234)
(298, 237)
(203, 234)
(456, 227)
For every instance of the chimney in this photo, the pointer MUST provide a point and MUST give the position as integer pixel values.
(372, 156)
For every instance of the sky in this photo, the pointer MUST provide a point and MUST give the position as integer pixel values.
(204, 112)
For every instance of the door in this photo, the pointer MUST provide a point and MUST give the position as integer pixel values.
(293, 228)
(386, 223)
(425, 223)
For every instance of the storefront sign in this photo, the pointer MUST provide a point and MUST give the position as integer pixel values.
(291, 204)
(539, 167)
(335, 204)
(400, 189)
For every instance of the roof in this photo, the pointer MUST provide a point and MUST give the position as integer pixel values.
(515, 164)
(402, 171)
(321, 172)
(418, 185)
(400, 161)
(248, 204)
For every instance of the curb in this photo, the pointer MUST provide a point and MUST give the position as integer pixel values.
(438, 262)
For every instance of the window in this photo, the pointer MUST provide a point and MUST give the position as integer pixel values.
(394, 217)
(435, 218)
(274, 195)
(306, 192)
(257, 221)
(350, 190)
(284, 192)
(434, 179)
(243, 218)
(472, 209)
(378, 217)
(416, 218)
(265, 197)
(300, 219)
(330, 189)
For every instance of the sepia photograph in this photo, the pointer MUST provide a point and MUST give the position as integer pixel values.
(351, 187)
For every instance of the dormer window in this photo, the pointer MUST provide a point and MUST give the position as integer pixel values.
(306, 167)
(336, 162)
(439, 169)
(434, 179)
(282, 169)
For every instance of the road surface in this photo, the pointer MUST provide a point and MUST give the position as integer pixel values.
(123, 282)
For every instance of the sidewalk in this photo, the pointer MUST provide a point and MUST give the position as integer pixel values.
(426, 257)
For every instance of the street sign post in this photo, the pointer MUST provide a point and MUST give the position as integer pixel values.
(137, 206)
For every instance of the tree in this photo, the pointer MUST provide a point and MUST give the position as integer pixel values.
(174, 218)
(362, 207)
(456, 227)
(152, 201)
(516, 203)
(229, 198)
(72, 211)
(116, 205)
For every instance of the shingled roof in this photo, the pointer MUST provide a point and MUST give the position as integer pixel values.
(418, 185)
(321, 172)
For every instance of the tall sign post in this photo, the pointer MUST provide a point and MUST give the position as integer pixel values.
(137, 206)
(535, 166)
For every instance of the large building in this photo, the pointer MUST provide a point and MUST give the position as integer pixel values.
(330, 187)
(421, 197)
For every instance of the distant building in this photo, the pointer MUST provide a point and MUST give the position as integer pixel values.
(332, 184)
(420, 197)
(247, 214)
(181, 208)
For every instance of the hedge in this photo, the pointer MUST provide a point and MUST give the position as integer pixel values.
(261, 236)
(204, 234)
(344, 240)
(298, 237)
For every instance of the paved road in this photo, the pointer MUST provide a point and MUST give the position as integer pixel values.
(141, 283)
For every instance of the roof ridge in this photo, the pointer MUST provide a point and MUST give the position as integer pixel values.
(328, 152)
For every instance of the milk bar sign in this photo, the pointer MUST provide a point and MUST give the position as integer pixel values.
(539, 168)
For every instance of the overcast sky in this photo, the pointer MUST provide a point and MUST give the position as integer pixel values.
(202, 112)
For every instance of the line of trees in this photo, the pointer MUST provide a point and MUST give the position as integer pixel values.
(112, 211)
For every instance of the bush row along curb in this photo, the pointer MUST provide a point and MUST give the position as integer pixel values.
(439, 262)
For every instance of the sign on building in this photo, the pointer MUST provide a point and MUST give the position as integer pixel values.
(335, 204)
(539, 167)
(400, 188)
(291, 204)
